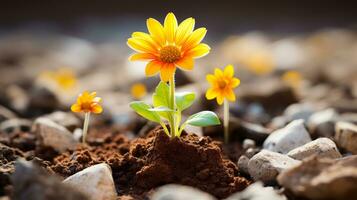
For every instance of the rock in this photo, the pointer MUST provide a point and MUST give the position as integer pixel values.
(17, 98)
(15, 125)
(53, 135)
(250, 152)
(322, 123)
(66, 119)
(299, 111)
(95, 181)
(266, 165)
(243, 164)
(322, 147)
(42, 101)
(6, 114)
(257, 191)
(316, 178)
(248, 143)
(33, 183)
(180, 192)
(346, 136)
(285, 139)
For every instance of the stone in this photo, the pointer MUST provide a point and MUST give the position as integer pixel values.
(250, 152)
(322, 123)
(266, 165)
(53, 135)
(179, 192)
(257, 191)
(299, 111)
(285, 139)
(95, 181)
(317, 178)
(66, 119)
(248, 143)
(243, 164)
(322, 147)
(15, 125)
(346, 136)
(6, 114)
(33, 183)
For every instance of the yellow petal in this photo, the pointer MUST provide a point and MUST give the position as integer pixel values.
(146, 37)
(211, 94)
(142, 56)
(185, 63)
(153, 68)
(235, 82)
(170, 26)
(211, 79)
(76, 108)
(220, 99)
(199, 51)
(97, 99)
(141, 45)
(228, 71)
(97, 109)
(218, 73)
(184, 30)
(230, 95)
(156, 30)
(195, 38)
(167, 72)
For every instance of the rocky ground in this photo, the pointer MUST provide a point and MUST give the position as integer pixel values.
(291, 138)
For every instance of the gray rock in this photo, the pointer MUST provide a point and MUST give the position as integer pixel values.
(33, 183)
(266, 165)
(53, 135)
(322, 147)
(180, 192)
(299, 111)
(243, 164)
(346, 136)
(257, 191)
(6, 114)
(15, 125)
(322, 123)
(285, 139)
(66, 119)
(316, 178)
(248, 143)
(251, 152)
(95, 181)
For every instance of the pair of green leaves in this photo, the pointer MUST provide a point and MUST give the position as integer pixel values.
(183, 100)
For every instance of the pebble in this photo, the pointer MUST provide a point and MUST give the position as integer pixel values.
(248, 143)
(15, 125)
(6, 114)
(266, 165)
(53, 135)
(299, 111)
(346, 136)
(322, 147)
(322, 123)
(257, 191)
(291, 136)
(180, 192)
(95, 181)
(66, 119)
(243, 164)
(317, 178)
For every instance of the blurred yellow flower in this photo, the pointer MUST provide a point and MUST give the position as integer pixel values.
(64, 78)
(292, 78)
(222, 84)
(168, 46)
(87, 103)
(138, 90)
(259, 63)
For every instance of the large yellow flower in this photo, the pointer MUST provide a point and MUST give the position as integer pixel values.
(168, 46)
(222, 84)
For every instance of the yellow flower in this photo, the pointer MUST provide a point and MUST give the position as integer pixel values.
(168, 46)
(292, 78)
(222, 84)
(87, 103)
(259, 63)
(138, 90)
(64, 78)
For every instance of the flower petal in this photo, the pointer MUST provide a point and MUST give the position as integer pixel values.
(170, 26)
(218, 73)
(153, 67)
(96, 108)
(142, 56)
(229, 94)
(228, 71)
(185, 63)
(156, 30)
(146, 37)
(167, 72)
(141, 45)
(235, 82)
(211, 94)
(76, 108)
(195, 38)
(211, 78)
(220, 99)
(184, 30)
(199, 51)
(97, 99)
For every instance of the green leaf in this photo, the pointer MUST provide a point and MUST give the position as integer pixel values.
(143, 110)
(161, 97)
(204, 118)
(184, 99)
(161, 109)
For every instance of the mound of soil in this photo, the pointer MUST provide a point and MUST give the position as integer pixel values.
(145, 163)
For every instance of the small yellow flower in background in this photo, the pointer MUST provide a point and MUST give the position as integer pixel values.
(222, 85)
(292, 78)
(63, 78)
(87, 103)
(138, 90)
(168, 46)
(259, 63)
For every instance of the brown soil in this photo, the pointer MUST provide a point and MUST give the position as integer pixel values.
(145, 163)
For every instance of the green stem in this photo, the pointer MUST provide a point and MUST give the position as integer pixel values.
(172, 106)
(165, 128)
(226, 120)
(85, 127)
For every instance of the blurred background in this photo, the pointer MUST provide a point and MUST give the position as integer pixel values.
(51, 50)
